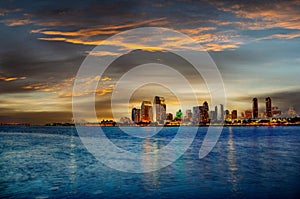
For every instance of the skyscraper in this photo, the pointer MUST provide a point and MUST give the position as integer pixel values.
(227, 115)
(200, 114)
(169, 116)
(249, 114)
(234, 114)
(204, 113)
(221, 114)
(133, 112)
(268, 107)
(189, 115)
(136, 115)
(255, 108)
(159, 111)
(196, 115)
(146, 111)
(215, 116)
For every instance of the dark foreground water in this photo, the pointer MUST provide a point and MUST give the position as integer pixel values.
(247, 162)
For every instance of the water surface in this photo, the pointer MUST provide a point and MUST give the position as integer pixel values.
(247, 162)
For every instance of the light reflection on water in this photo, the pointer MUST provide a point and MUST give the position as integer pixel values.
(246, 162)
(232, 167)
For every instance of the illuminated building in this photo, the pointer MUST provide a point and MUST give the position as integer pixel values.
(200, 114)
(189, 115)
(276, 111)
(159, 109)
(215, 115)
(146, 111)
(136, 115)
(291, 112)
(242, 115)
(248, 114)
(220, 114)
(204, 117)
(255, 108)
(196, 115)
(169, 117)
(212, 115)
(178, 115)
(268, 107)
(227, 115)
(234, 114)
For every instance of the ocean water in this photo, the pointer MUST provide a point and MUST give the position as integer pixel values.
(247, 162)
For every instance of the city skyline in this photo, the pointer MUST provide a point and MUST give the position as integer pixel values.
(205, 115)
(255, 46)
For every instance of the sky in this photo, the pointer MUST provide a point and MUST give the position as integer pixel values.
(255, 45)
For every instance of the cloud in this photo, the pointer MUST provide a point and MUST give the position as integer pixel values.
(291, 35)
(220, 47)
(263, 15)
(16, 22)
(8, 79)
(96, 31)
(65, 87)
(5, 11)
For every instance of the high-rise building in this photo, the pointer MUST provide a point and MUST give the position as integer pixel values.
(136, 115)
(159, 109)
(133, 112)
(221, 114)
(212, 115)
(169, 116)
(196, 114)
(227, 115)
(204, 117)
(276, 111)
(255, 108)
(200, 114)
(189, 115)
(268, 107)
(146, 111)
(178, 115)
(234, 114)
(291, 112)
(249, 114)
(215, 116)
(242, 115)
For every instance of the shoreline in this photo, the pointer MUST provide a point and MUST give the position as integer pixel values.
(214, 125)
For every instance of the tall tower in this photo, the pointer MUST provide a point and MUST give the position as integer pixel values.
(200, 114)
(136, 115)
(221, 114)
(234, 114)
(189, 115)
(133, 112)
(255, 108)
(204, 113)
(146, 111)
(268, 107)
(215, 116)
(159, 111)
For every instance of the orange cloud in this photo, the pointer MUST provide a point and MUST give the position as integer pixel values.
(219, 47)
(196, 31)
(65, 88)
(96, 31)
(102, 53)
(16, 22)
(284, 14)
(8, 79)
